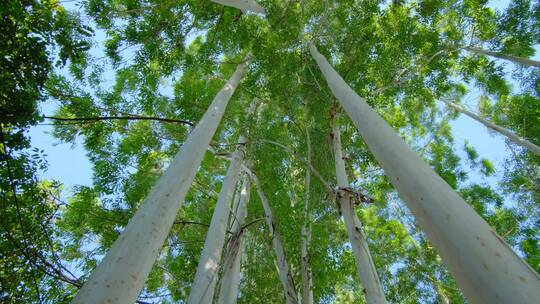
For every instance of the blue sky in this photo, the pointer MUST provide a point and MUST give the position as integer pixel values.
(70, 165)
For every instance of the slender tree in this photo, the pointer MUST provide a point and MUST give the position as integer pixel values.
(230, 280)
(509, 134)
(285, 275)
(307, 279)
(364, 263)
(485, 267)
(121, 274)
(514, 59)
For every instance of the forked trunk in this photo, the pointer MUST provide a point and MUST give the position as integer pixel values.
(123, 271)
(364, 263)
(204, 284)
(485, 267)
(230, 279)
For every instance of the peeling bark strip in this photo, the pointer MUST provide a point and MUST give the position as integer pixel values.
(243, 5)
(121, 275)
(230, 280)
(285, 275)
(364, 263)
(509, 134)
(204, 284)
(514, 59)
(484, 266)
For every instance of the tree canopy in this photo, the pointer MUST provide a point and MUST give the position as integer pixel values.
(133, 78)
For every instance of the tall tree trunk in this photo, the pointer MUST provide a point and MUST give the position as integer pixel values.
(485, 267)
(204, 284)
(509, 134)
(230, 279)
(285, 275)
(243, 5)
(121, 275)
(514, 59)
(307, 280)
(364, 263)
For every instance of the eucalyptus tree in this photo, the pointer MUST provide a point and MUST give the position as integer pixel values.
(307, 279)
(474, 258)
(369, 279)
(230, 279)
(509, 134)
(515, 59)
(123, 271)
(204, 285)
(285, 274)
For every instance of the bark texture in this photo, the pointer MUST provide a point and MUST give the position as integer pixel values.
(364, 263)
(484, 266)
(123, 271)
(285, 275)
(514, 59)
(509, 134)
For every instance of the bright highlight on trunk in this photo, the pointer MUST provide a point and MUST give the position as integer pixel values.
(243, 5)
(509, 134)
(230, 280)
(364, 263)
(485, 267)
(121, 275)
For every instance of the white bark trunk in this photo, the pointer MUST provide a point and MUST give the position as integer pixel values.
(364, 263)
(509, 134)
(285, 275)
(121, 275)
(307, 279)
(485, 267)
(204, 284)
(514, 59)
(230, 279)
(243, 5)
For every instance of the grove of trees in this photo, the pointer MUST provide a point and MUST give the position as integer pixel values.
(271, 151)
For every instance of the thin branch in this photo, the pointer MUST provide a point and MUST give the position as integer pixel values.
(134, 117)
(252, 222)
(331, 190)
(326, 184)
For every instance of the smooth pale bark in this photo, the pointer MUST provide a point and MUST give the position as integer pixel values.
(230, 279)
(485, 267)
(285, 275)
(307, 279)
(509, 134)
(364, 263)
(204, 284)
(515, 59)
(243, 5)
(121, 275)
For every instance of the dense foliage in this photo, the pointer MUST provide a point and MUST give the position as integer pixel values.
(155, 60)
